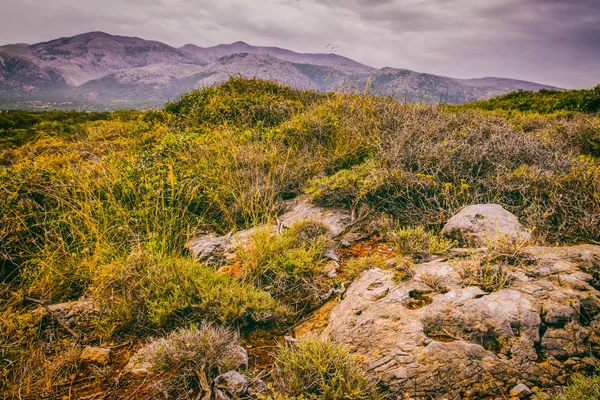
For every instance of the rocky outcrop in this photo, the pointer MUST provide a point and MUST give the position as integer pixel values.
(466, 342)
(481, 224)
(219, 250)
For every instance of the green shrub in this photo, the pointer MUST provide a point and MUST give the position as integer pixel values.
(166, 292)
(240, 102)
(582, 388)
(289, 266)
(544, 101)
(317, 369)
(348, 187)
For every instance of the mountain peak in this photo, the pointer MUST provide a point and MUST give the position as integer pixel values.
(119, 69)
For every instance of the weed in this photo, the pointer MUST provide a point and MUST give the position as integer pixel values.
(355, 266)
(435, 282)
(317, 369)
(403, 270)
(418, 242)
(288, 266)
(488, 276)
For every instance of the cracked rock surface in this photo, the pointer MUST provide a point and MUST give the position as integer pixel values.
(469, 343)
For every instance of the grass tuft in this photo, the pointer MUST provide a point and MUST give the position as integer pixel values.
(317, 369)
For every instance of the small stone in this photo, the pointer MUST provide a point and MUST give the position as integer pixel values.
(520, 390)
(219, 395)
(95, 355)
(241, 358)
(233, 383)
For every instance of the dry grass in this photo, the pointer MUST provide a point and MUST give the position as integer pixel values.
(435, 282)
(490, 277)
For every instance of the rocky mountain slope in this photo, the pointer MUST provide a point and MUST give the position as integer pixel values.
(97, 70)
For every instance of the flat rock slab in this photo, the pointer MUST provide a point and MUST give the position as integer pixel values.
(466, 342)
(302, 209)
(215, 249)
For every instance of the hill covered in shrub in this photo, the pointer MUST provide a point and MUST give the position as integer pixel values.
(544, 102)
(102, 205)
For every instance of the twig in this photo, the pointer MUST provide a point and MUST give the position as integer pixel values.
(57, 317)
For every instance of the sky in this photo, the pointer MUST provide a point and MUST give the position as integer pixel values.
(555, 42)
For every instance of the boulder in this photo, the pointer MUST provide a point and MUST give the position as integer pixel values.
(232, 382)
(480, 224)
(219, 395)
(139, 365)
(423, 343)
(95, 355)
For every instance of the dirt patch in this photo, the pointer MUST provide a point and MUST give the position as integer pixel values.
(366, 248)
(316, 322)
(261, 344)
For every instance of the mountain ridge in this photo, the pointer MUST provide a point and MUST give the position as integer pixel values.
(96, 70)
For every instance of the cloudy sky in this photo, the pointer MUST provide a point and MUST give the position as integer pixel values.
(548, 41)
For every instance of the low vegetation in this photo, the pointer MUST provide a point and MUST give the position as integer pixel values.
(190, 359)
(101, 205)
(289, 265)
(582, 388)
(490, 277)
(417, 242)
(356, 266)
(317, 369)
(544, 102)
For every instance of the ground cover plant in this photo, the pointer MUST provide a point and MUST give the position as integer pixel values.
(101, 205)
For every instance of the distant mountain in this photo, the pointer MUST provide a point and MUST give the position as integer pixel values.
(97, 70)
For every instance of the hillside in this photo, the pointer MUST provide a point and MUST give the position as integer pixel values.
(255, 241)
(98, 71)
(544, 101)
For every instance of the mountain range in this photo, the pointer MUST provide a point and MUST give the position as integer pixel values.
(98, 71)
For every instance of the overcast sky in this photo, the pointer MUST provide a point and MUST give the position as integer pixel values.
(549, 41)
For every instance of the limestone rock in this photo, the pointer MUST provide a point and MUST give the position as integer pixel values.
(241, 359)
(74, 313)
(418, 342)
(219, 395)
(232, 382)
(138, 366)
(301, 209)
(520, 390)
(219, 250)
(95, 355)
(478, 224)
